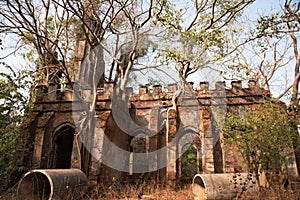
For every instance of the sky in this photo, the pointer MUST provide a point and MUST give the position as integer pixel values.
(257, 8)
(282, 77)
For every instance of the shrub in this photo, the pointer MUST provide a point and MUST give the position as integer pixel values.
(264, 136)
(14, 105)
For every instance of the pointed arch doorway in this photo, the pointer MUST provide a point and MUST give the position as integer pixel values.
(189, 163)
(63, 146)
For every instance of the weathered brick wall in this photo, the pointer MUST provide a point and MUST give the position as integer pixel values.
(149, 111)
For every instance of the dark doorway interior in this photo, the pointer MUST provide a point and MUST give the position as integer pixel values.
(63, 145)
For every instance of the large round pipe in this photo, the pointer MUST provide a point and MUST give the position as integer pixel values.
(48, 184)
(223, 186)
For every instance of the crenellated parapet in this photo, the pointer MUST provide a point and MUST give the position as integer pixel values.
(155, 119)
(147, 107)
(156, 96)
(236, 94)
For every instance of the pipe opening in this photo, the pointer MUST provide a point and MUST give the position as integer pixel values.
(35, 186)
(198, 188)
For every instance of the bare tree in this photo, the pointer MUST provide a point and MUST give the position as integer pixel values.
(199, 32)
(121, 28)
(44, 26)
(188, 35)
(114, 36)
(272, 55)
(293, 25)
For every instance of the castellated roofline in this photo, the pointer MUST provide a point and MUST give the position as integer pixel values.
(236, 94)
(147, 107)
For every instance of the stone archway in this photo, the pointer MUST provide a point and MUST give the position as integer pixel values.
(62, 147)
(189, 161)
(139, 145)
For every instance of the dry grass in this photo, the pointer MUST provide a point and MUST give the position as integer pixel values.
(124, 192)
(140, 191)
(153, 192)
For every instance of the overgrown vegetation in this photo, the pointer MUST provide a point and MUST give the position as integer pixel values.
(189, 35)
(13, 108)
(264, 136)
(189, 164)
(154, 192)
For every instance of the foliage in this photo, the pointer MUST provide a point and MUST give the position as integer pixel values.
(189, 163)
(286, 23)
(263, 135)
(199, 31)
(45, 32)
(189, 34)
(270, 54)
(14, 105)
(280, 22)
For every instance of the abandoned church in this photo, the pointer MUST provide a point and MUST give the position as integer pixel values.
(58, 144)
(152, 132)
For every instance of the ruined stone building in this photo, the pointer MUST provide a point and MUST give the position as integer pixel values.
(56, 145)
(149, 134)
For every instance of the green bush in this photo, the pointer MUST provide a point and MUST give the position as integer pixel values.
(189, 164)
(14, 104)
(264, 136)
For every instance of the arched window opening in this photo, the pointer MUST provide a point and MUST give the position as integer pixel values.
(138, 157)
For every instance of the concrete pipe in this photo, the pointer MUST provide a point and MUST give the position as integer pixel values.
(47, 184)
(223, 186)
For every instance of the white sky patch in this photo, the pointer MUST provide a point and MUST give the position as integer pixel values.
(282, 78)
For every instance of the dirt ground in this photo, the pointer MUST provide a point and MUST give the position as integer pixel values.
(147, 192)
